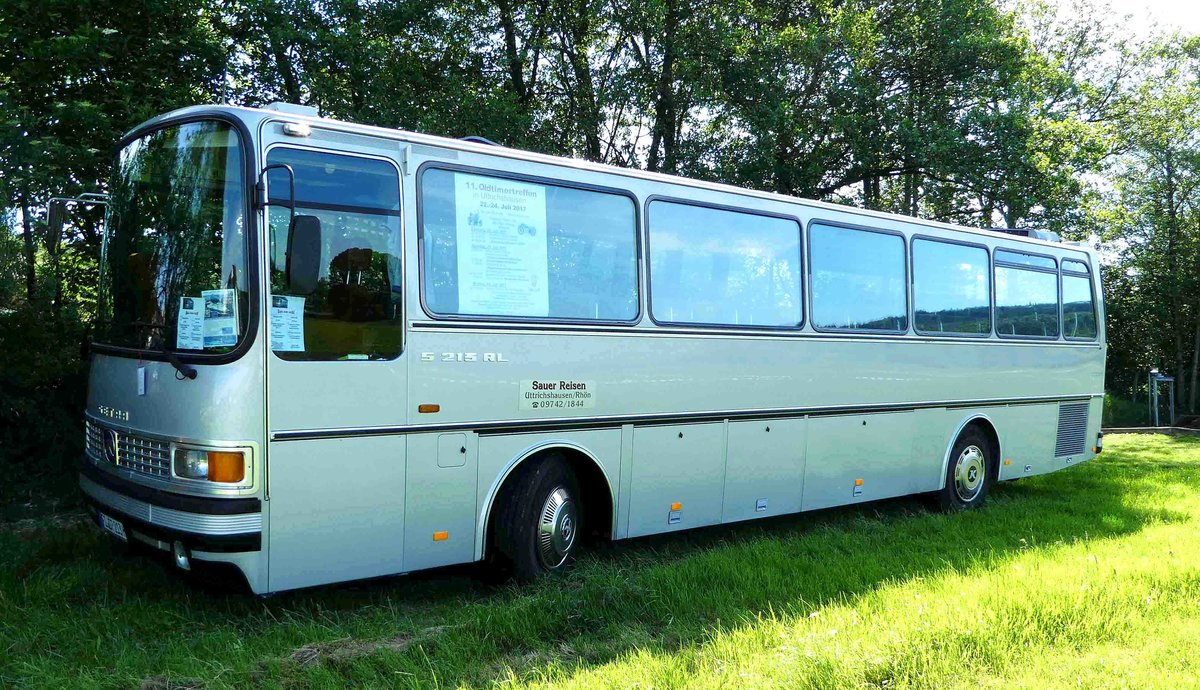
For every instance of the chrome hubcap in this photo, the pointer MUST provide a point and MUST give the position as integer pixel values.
(557, 528)
(969, 472)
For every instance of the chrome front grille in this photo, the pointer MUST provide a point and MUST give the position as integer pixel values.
(95, 440)
(147, 456)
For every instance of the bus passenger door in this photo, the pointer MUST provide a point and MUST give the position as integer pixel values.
(336, 372)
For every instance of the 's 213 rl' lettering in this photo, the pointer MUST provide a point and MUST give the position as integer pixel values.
(463, 357)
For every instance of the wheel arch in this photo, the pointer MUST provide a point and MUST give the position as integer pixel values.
(984, 423)
(597, 492)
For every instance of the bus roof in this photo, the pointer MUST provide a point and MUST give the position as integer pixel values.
(292, 113)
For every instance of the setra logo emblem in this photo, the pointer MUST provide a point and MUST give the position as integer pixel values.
(110, 446)
(113, 413)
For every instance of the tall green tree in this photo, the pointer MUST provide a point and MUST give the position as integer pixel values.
(74, 76)
(1156, 220)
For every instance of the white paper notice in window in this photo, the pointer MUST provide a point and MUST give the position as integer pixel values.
(220, 318)
(502, 259)
(190, 332)
(287, 323)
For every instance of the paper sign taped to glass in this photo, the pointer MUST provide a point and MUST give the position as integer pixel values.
(189, 335)
(501, 246)
(287, 323)
(220, 318)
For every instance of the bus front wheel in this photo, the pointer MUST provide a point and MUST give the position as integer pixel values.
(537, 527)
(969, 473)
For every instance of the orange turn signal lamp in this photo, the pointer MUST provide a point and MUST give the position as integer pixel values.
(676, 506)
(226, 466)
(428, 408)
(441, 536)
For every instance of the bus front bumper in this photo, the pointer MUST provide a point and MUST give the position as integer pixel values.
(161, 519)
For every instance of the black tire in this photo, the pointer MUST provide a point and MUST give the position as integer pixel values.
(543, 492)
(970, 471)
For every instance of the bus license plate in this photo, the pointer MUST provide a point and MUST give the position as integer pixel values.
(113, 527)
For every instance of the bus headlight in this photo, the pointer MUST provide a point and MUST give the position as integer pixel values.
(224, 466)
(191, 464)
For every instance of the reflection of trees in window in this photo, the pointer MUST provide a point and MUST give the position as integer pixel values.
(175, 229)
(1079, 311)
(951, 292)
(720, 267)
(970, 320)
(858, 279)
(1026, 302)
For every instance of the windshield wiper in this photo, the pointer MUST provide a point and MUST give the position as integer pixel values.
(183, 370)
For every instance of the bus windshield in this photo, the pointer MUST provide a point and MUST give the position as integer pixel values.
(173, 263)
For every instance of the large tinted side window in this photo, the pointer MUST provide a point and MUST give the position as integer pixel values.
(720, 267)
(858, 279)
(1079, 308)
(355, 311)
(1026, 296)
(508, 248)
(951, 288)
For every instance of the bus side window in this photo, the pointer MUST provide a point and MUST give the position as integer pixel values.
(354, 312)
(951, 288)
(500, 247)
(858, 279)
(720, 267)
(1078, 302)
(1026, 295)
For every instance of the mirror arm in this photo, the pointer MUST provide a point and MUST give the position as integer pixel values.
(260, 189)
(56, 208)
(87, 199)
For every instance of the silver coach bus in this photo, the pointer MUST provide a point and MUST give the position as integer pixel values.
(328, 351)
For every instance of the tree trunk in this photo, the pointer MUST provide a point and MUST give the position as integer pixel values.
(512, 54)
(584, 92)
(54, 249)
(30, 256)
(911, 189)
(666, 121)
(1195, 369)
(1194, 389)
(1173, 286)
(276, 17)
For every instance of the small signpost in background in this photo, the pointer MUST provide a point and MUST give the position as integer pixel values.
(1157, 382)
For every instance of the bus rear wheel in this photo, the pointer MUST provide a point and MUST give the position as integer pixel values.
(969, 473)
(537, 527)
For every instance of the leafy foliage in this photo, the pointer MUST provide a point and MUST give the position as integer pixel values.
(42, 386)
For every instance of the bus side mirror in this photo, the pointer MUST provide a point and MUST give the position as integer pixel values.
(303, 254)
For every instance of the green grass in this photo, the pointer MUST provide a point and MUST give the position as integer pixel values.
(1089, 577)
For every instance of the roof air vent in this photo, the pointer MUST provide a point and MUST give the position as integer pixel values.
(294, 109)
(1047, 235)
(475, 139)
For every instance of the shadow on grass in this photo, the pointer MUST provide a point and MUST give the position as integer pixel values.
(656, 594)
